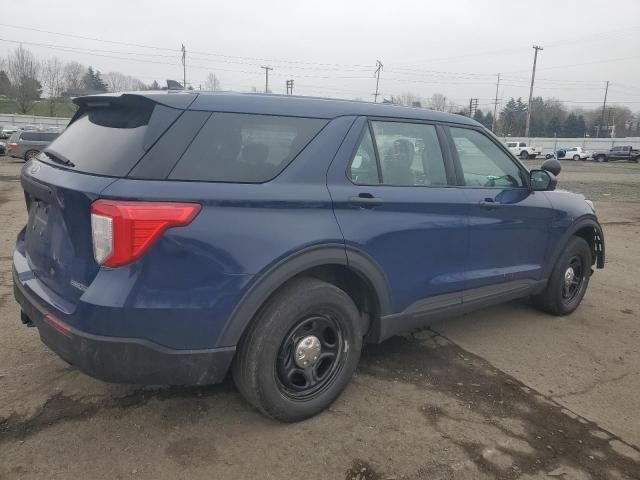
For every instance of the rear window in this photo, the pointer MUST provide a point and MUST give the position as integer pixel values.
(244, 148)
(107, 139)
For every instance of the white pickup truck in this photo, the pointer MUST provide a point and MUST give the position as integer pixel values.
(520, 149)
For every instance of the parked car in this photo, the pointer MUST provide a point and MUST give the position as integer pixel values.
(3, 147)
(617, 153)
(26, 144)
(566, 153)
(7, 131)
(522, 151)
(169, 240)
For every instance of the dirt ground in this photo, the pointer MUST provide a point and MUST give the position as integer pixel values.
(505, 393)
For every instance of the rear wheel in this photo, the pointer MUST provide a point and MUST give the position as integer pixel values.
(568, 281)
(601, 158)
(300, 352)
(30, 154)
(576, 157)
(524, 155)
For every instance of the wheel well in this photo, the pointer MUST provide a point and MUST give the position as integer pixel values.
(592, 237)
(357, 287)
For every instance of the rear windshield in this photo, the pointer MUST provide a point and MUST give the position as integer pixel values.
(107, 139)
(245, 148)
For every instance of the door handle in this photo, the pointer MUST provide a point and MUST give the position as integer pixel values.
(488, 204)
(366, 200)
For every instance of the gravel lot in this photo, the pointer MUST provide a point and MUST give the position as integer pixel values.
(506, 392)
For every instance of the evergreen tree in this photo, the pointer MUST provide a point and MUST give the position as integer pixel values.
(488, 120)
(478, 116)
(5, 83)
(154, 86)
(92, 80)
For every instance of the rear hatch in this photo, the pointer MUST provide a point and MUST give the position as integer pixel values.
(104, 141)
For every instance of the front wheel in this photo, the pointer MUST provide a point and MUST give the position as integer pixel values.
(524, 155)
(568, 281)
(576, 157)
(300, 352)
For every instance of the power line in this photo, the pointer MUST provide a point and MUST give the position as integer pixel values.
(495, 105)
(536, 48)
(604, 104)
(379, 67)
(266, 77)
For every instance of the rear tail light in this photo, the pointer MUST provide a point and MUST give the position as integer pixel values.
(123, 231)
(12, 144)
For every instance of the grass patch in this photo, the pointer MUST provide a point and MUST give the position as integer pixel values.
(39, 108)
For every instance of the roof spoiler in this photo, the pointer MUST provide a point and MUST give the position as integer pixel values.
(180, 100)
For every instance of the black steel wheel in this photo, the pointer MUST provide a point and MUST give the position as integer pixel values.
(300, 351)
(310, 357)
(568, 281)
(573, 278)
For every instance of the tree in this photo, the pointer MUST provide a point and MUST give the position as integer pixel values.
(92, 80)
(22, 69)
(438, 102)
(573, 126)
(119, 82)
(52, 81)
(488, 121)
(478, 116)
(5, 83)
(154, 86)
(73, 74)
(212, 83)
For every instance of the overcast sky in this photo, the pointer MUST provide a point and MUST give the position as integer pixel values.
(330, 47)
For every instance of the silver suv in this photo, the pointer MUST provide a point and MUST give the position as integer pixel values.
(27, 144)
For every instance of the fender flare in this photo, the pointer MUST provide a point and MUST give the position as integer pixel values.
(273, 277)
(571, 231)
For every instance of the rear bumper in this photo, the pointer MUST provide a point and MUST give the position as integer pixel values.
(123, 360)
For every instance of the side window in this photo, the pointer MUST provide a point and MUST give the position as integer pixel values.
(30, 136)
(522, 144)
(409, 154)
(364, 168)
(512, 145)
(234, 147)
(483, 163)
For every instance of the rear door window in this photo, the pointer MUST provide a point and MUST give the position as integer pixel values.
(245, 148)
(409, 154)
(31, 136)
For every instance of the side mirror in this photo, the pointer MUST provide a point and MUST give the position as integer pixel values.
(542, 180)
(552, 166)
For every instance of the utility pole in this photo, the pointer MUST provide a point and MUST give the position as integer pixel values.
(266, 77)
(533, 77)
(473, 106)
(379, 67)
(184, 67)
(289, 87)
(495, 106)
(604, 105)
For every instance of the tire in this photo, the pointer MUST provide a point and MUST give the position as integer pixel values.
(30, 154)
(265, 369)
(601, 158)
(558, 298)
(524, 155)
(576, 158)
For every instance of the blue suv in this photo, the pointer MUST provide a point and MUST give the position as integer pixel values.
(174, 237)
